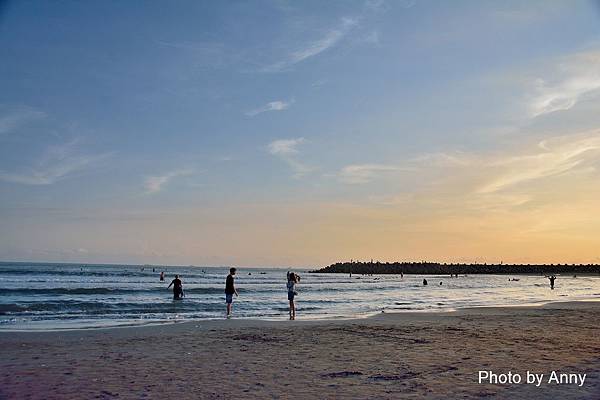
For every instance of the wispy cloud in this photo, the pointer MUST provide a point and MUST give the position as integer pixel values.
(371, 38)
(355, 174)
(278, 105)
(285, 146)
(57, 163)
(443, 159)
(154, 184)
(364, 173)
(16, 117)
(319, 83)
(510, 178)
(573, 78)
(554, 157)
(287, 150)
(331, 38)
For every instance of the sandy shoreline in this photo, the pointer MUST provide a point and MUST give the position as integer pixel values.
(399, 355)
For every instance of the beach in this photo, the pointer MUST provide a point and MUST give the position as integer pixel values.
(391, 355)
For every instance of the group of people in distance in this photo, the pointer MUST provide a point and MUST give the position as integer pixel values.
(230, 290)
(292, 280)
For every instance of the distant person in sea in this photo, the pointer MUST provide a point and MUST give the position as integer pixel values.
(230, 290)
(177, 288)
(552, 278)
(424, 282)
(292, 280)
(162, 276)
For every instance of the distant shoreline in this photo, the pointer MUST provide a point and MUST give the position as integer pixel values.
(432, 268)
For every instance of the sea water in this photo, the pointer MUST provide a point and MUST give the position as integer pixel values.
(63, 296)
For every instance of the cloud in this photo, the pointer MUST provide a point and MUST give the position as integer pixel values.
(407, 3)
(364, 173)
(278, 105)
(57, 163)
(370, 38)
(329, 40)
(284, 146)
(553, 157)
(154, 184)
(573, 78)
(286, 150)
(443, 159)
(520, 175)
(18, 117)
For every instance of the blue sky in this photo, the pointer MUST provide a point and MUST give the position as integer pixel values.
(298, 133)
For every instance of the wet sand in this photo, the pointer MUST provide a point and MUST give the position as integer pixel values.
(390, 356)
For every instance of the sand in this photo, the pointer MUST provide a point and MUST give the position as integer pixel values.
(390, 356)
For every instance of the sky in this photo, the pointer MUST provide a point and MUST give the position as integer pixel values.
(286, 133)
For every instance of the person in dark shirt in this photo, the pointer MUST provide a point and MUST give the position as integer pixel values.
(552, 278)
(177, 288)
(230, 290)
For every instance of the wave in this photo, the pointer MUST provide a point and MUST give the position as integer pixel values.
(72, 273)
(71, 291)
(164, 306)
(96, 308)
(106, 291)
(299, 308)
(162, 289)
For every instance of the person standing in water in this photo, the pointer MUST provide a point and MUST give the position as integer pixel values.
(292, 279)
(177, 288)
(230, 290)
(162, 276)
(552, 278)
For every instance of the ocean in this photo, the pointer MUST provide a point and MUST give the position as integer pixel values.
(42, 296)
